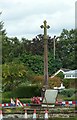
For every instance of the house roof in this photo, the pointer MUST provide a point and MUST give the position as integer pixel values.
(61, 70)
(71, 72)
(66, 72)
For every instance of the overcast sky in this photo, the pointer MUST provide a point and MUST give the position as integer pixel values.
(22, 18)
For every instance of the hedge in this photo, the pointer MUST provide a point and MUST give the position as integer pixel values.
(68, 92)
(23, 92)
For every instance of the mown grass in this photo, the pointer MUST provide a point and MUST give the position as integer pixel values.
(74, 118)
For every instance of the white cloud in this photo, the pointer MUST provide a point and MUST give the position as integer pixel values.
(24, 17)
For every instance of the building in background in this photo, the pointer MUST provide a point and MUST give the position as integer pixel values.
(72, 74)
(68, 74)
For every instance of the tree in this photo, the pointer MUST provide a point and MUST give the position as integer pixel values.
(33, 62)
(66, 48)
(54, 82)
(2, 31)
(53, 65)
(14, 74)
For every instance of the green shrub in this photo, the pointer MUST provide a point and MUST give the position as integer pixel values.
(68, 92)
(23, 92)
(7, 94)
(69, 83)
(5, 100)
(27, 91)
